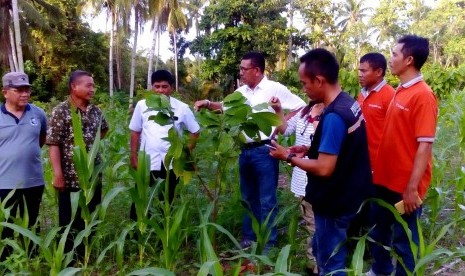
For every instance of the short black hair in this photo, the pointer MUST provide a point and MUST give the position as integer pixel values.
(75, 75)
(376, 61)
(162, 75)
(321, 62)
(417, 47)
(257, 59)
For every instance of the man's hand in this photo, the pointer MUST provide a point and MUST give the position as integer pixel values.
(299, 150)
(59, 182)
(275, 104)
(411, 200)
(201, 104)
(280, 152)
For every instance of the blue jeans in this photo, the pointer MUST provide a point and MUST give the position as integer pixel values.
(389, 232)
(330, 236)
(259, 181)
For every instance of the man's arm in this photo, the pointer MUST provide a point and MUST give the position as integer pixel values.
(134, 147)
(323, 166)
(42, 139)
(193, 140)
(55, 160)
(420, 163)
(208, 105)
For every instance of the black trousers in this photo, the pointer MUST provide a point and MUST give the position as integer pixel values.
(78, 224)
(32, 197)
(173, 182)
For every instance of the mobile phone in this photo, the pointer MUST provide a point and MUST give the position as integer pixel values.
(401, 208)
(270, 146)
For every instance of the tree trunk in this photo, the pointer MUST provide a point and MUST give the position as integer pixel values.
(175, 44)
(19, 49)
(13, 52)
(11, 63)
(133, 58)
(118, 58)
(110, 58)
(158, 49)
(289, 42)
(152, 52)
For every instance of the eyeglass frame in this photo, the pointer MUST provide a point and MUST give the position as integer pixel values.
(242, 69)
(17, 90)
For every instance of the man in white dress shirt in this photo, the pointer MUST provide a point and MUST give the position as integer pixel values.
(258, 170)
(148, 136)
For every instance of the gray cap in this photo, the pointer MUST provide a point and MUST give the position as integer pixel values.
(15, 79)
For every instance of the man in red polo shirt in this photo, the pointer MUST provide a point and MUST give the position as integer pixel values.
(374, 99)
(402, 170)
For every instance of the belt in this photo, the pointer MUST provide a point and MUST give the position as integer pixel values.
(252, 145)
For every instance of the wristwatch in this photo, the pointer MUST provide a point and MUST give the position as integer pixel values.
(289, 159)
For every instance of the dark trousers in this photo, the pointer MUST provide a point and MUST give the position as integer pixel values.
(173, 182)
(388, 233)
(78, 224)
(32, 197)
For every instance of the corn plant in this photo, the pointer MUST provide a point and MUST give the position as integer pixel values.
(171, 228)
(142, 196)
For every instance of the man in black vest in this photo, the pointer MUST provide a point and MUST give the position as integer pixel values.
(338, 168)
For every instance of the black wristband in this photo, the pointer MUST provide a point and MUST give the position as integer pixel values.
(289, 158)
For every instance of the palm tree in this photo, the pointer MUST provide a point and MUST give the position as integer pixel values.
(352, 11)
(118, 17)
(194, 13)
(171, 17)
(155, 10)
(17, 15)
(176, 20)
(140, 15)
(17, 35)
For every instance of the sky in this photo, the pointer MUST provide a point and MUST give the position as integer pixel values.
(100, 23)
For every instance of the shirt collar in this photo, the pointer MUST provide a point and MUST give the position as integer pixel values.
(259, 85)
(71, 104)
(412, 81)
(3, 108)
(377, 88)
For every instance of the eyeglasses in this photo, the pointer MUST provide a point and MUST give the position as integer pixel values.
(245, 68)
(21, 90)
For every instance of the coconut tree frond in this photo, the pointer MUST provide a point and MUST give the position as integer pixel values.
(52, 11)
(31, 16)
(176, 20)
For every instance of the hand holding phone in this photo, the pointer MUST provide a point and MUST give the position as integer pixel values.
(401, 208)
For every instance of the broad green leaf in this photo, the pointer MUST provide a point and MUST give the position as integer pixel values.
(226, 143)
(237, 115)
(153, 101)
(234, 99)
(261, 107)
(251, 129)
(161, 119)
(268, 118)
(208, 118)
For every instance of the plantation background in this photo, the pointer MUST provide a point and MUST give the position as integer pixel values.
(197, 235)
